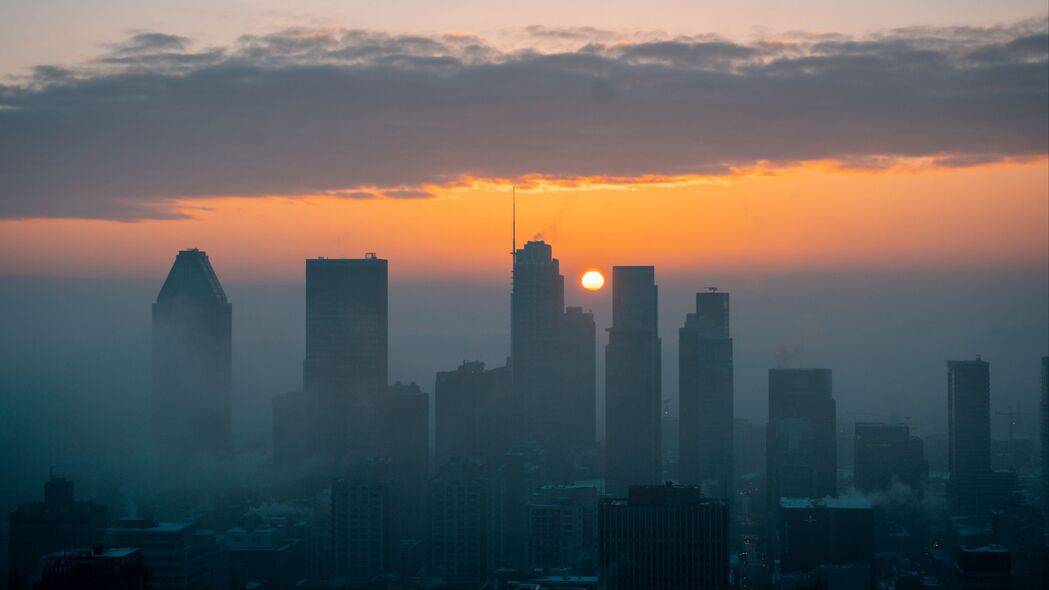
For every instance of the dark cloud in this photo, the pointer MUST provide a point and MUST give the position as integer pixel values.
(361, 114)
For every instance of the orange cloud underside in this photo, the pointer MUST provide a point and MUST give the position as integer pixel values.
(810, 217)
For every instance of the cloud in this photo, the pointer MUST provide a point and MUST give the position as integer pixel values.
(363, 114)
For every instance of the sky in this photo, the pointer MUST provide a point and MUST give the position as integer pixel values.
(870, 180)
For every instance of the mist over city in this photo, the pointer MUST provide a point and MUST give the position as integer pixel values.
(565, 296)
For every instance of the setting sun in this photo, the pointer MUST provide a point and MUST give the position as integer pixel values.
(592, 280)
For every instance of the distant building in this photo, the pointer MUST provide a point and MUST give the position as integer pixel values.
(664, 537)
(406, 443)
(537, 305)
(705, 396)
(347, 345)
(40, 528)
(460, 523)
(973, 488)
(801, 442)
(471, 413)
(1045, 435)
(517, 475)
(176, 554)
(826, 532)
(562, 529)
(86, 569)
(983, 568)
(578, 415)
(885, 453)
(633, 382)
(361, 514)
(192, 404)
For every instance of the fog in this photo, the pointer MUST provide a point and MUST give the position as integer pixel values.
(75, 374)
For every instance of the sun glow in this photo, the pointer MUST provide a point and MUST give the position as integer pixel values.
(592, 280)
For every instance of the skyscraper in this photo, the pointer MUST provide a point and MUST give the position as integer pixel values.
(347, 341)
(536, 307)
(705, 395)
(361, 516)
(1045, 433)
(801, 440)
(471, 414)
(664, 537)
(460, 523)
(577, 414)
(633, 392)
(192, 405)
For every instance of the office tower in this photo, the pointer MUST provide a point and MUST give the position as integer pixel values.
(705, 396)
(347, 341)
(987, 567)
(973, 487)
(361, 510)
(265, 554)
(562, 529)
(39, 528)
(1019, 526)
(664, 537)
(1045, 434)
(176, 554)
(294, 433)
(578, 420)
(885, 453)
(192, 404)
(515, 478)
(460, 527)
(801, 442)
(633, 392)
(826, 532)
(86, 569)
(472, 415)
(406, 442)
(536, 307)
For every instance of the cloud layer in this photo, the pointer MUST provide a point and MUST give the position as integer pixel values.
(361, 114)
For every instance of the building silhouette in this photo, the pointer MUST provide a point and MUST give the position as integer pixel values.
(406, 445)
(986, 567)
(705, 396)
(361, 517)
(826, 532)
(801, 441)
(562, 528)
(40, 528)
(664, 537)
(345, 373)
(633, 382)
(192, 401)
(472, 413)
(265, 554)
(177, 555)
(460, 523)
(884, 453)
(1045, 435)
(577, 415)
(974, 488)
(537, 305)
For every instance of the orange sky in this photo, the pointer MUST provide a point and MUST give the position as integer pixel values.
(807, 218)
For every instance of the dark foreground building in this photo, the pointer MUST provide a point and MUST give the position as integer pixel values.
(664, 537)
(192, 361)
(87, 569)
(40, 528)
(705, 372)
(887, 453)
(801, 440)
(633, 382)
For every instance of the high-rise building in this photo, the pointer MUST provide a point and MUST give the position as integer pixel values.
(562, 529)
(633, 382)
(664, 537)
(40, 528)
(460, 523)
(361, 514)
(887, 452)
(537, 305)
(87, 569)
(517, 475)
(801, 439)
(1045, 434)
(406, 443)
(176, 554)
(973, 487)
(471, 413)
(347, 342)
(264, 554)
(578, 415)
(192, 403)
(705, 393)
